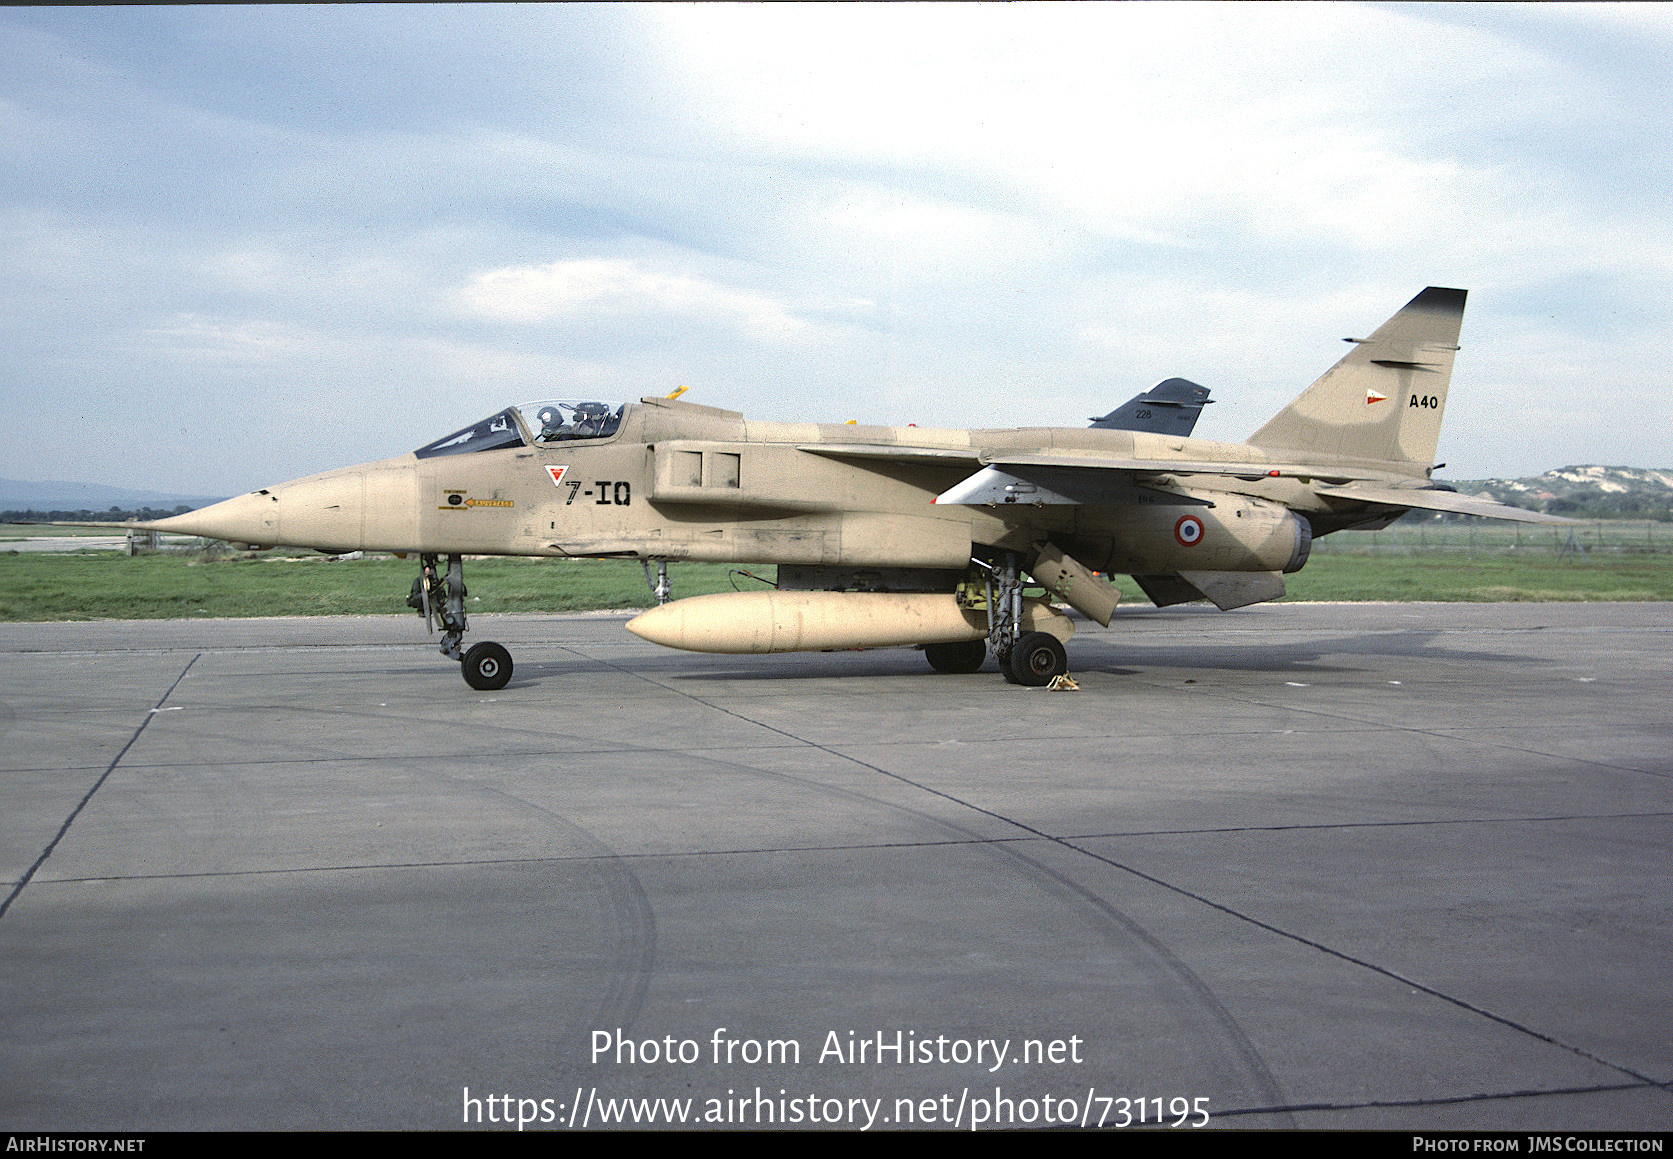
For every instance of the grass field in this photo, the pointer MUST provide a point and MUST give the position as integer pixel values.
(109, 585)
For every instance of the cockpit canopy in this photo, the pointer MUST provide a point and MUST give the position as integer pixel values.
(556, 422)
(531, 424)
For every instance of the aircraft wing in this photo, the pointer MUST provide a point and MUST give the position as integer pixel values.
(1249, 471)
(1069, 478)
(895, 453)
(1073, 461)
(1073, 478)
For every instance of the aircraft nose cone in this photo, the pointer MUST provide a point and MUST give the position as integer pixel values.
(252, 518)
(369, 507)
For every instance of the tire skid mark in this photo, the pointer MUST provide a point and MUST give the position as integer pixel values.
(630, 920)
(1117, 926)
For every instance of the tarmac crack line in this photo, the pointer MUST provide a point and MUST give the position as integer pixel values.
(772, 850)
(1385, 971)
(1380, 726)
(1279, 931)
(1442, 1100)
(88, 796)
(1426, 821)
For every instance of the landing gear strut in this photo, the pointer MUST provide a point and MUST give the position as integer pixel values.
(1027, 658)
(660, 587)
(441, 596)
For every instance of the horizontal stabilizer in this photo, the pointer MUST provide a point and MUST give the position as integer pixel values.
(1434, 500)
(1167, 590)
(1225, 589)
(1236, 589)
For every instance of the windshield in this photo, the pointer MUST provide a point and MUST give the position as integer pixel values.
(496, 431)
(556, 422)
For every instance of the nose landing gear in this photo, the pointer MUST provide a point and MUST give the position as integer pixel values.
(486, 666)
(438, 596)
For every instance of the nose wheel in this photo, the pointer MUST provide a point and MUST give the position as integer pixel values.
(439, 595)
(486, 666)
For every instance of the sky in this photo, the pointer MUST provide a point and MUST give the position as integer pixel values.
(241, 245)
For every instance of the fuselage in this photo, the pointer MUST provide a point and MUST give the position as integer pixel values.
(681, 482)
(895, 535)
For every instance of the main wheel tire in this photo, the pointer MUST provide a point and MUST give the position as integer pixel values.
(960, 657)
(487, 666)
(1037, 658)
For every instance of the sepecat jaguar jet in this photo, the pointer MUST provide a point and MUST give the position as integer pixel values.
(958, 542)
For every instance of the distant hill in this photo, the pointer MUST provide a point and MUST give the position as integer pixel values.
(1585, 492)
(18, 496)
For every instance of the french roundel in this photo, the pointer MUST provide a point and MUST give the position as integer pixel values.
(1188, 530)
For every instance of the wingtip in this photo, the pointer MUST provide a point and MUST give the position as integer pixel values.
(1439, 298)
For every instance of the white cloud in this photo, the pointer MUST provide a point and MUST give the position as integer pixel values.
(1172, 124)
(198, 338)
(593, 286)
(964, 214)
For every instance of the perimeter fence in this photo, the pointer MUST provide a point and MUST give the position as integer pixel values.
(1495, 538)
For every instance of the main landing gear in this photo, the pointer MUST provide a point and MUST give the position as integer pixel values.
(1029, 658)
(441, 596)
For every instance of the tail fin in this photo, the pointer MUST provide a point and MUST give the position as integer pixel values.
(1384, 400)
(1170, 407)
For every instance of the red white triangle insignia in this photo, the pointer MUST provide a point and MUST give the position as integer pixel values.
(557, 473)
(1372, 396)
